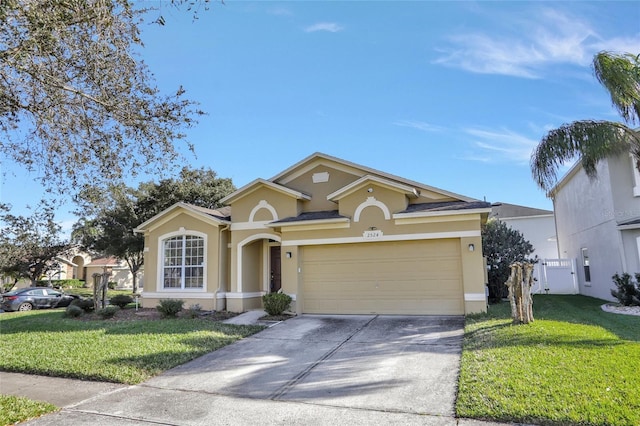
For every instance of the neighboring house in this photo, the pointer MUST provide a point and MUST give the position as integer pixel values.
(537, 226)
(120, 273)
(81, 265)
(598, 222)
(338, 237)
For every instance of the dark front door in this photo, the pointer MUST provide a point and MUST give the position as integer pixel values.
(275, 268)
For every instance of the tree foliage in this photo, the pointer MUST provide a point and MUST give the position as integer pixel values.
(502, 247)
(77, 104)
(109, 229)
(29, 245)
(594, 140)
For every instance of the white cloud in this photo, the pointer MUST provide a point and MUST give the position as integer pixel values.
(548, 37)
(502, 145)
(418, 125)
(331, 27)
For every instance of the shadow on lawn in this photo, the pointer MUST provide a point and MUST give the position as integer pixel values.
(574, 309)
(53, 321)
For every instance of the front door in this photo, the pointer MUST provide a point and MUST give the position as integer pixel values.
(274, 256)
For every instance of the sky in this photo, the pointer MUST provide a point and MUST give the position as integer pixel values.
(455, 95)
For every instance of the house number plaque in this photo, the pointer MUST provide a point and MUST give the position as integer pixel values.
(372, 235)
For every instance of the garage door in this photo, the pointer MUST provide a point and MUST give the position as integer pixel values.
(409, 277)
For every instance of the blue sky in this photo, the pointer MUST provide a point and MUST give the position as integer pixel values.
(452, 94)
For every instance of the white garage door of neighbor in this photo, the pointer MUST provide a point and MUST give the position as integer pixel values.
(405, 277)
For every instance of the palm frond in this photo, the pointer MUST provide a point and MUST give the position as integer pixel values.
(588, 140)
(620, 75)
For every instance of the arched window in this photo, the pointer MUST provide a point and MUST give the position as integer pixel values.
(183, 260)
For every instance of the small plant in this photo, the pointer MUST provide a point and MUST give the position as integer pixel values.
(121, 300)
(84, 304)
(276, 303)
(112, 285)
(193, 311)
(627, 291)
(108, 312)
(73, 311)
(169, 308)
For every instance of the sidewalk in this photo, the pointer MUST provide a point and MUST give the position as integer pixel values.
(58, 391)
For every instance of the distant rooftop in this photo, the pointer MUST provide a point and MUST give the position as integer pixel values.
(506, 210)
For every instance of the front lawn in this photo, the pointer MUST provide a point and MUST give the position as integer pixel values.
(46, 343)
(15, 409)
(574, 365)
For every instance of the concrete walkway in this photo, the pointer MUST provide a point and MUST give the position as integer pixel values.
(319, 370)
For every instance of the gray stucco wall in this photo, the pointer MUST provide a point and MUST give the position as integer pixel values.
(583, 217)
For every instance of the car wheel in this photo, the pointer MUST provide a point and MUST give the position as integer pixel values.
(26, 306)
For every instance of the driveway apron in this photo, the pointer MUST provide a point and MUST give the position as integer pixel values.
(405, 364)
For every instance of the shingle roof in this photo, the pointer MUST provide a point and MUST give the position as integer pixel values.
(446, 206)
(223, 213)
(322, 215)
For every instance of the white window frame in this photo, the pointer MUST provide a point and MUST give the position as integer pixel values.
(636, 176)
(181, 233)
(586, 263)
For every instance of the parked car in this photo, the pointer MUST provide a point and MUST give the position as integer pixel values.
(30, 298)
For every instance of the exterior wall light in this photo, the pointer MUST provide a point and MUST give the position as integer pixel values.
(288, 254)
(472, 247)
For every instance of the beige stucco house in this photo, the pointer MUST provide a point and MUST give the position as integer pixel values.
(338, 237)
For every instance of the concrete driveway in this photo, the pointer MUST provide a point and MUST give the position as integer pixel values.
(362, 369)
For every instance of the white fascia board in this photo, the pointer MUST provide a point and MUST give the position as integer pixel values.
(365, 180)
(171, 212)
(440, 213)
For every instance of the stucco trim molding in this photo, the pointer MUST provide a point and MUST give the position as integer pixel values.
(263, 204)
(241, 245)
(246, 226)
(475, 297)
(243, 295)
(371, 202)
(396, 237)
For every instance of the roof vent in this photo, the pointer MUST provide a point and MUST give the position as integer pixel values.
(320, 177)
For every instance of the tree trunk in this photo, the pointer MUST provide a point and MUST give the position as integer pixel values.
(519, 285)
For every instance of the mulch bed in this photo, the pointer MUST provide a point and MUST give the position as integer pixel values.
(152, 314)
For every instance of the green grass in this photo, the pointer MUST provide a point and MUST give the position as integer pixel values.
(575, 364)
(15, 409)
(46, 343)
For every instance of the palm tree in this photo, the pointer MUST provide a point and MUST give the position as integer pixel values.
(593, 140)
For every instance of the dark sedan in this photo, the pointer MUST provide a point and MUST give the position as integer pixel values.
(30, 298)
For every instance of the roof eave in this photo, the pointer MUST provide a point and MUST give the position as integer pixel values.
(308, 222)
(441, 213)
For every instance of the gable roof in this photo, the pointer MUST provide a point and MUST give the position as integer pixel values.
(313, 160)
(260, 183)
(366, 180)
(509, 211)
(217, 217)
